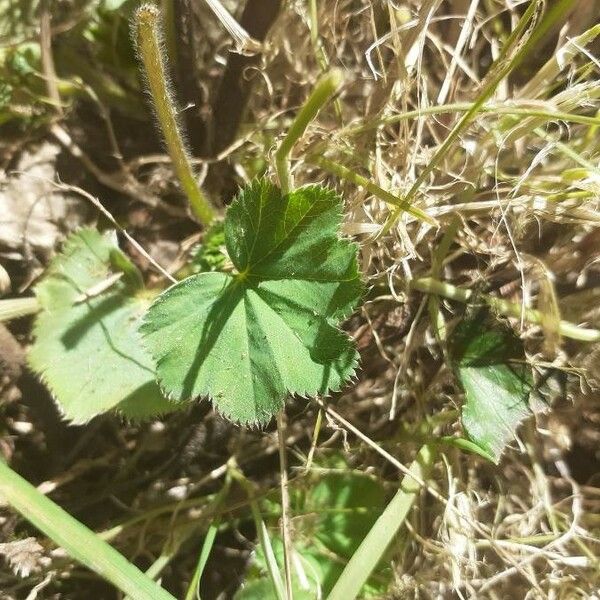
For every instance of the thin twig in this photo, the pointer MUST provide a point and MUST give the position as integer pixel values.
(285, 505)
(108, 215)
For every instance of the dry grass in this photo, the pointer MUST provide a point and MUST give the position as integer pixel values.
(521, 188)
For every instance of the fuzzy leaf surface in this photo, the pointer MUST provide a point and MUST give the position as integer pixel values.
(87, 348)
(248, 339)
(489, 360)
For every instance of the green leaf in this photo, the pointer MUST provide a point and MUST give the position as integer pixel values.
(466, 445)
(333, 512)
(489, 360)
(258, 586)
(377, 540)
(248, 339)
(87, 348)
(347, 504)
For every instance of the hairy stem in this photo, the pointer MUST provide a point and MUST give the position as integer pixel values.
(147, 19)
(325, 88)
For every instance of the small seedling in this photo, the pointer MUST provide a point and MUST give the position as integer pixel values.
(260, 326)
(248, 339)
(247, 331)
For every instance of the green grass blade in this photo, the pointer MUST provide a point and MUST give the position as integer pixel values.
(79, 542)
(262, 534)
(517, 108)
(209, 541)
(345, 173)
(500, 68)
(372, 548)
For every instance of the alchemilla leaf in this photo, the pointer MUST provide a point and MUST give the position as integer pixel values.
(489, 360)
(248, 339)
(87, 347)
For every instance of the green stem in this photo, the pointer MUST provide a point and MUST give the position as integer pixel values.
(369, 553)
(313, 444)
(511, 309)
(286, 534)
(80, 542)
(325, 88)
(209, 540)
(346, 173)
(462, 107)
(147, 20)
(439, 254)
(168, 11)
(13, 308)
(263, 536)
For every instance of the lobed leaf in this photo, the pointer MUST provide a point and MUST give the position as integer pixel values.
(248, 339)
(87, 348)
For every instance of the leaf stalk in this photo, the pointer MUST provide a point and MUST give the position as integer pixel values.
(325, 88)
(146, 22)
